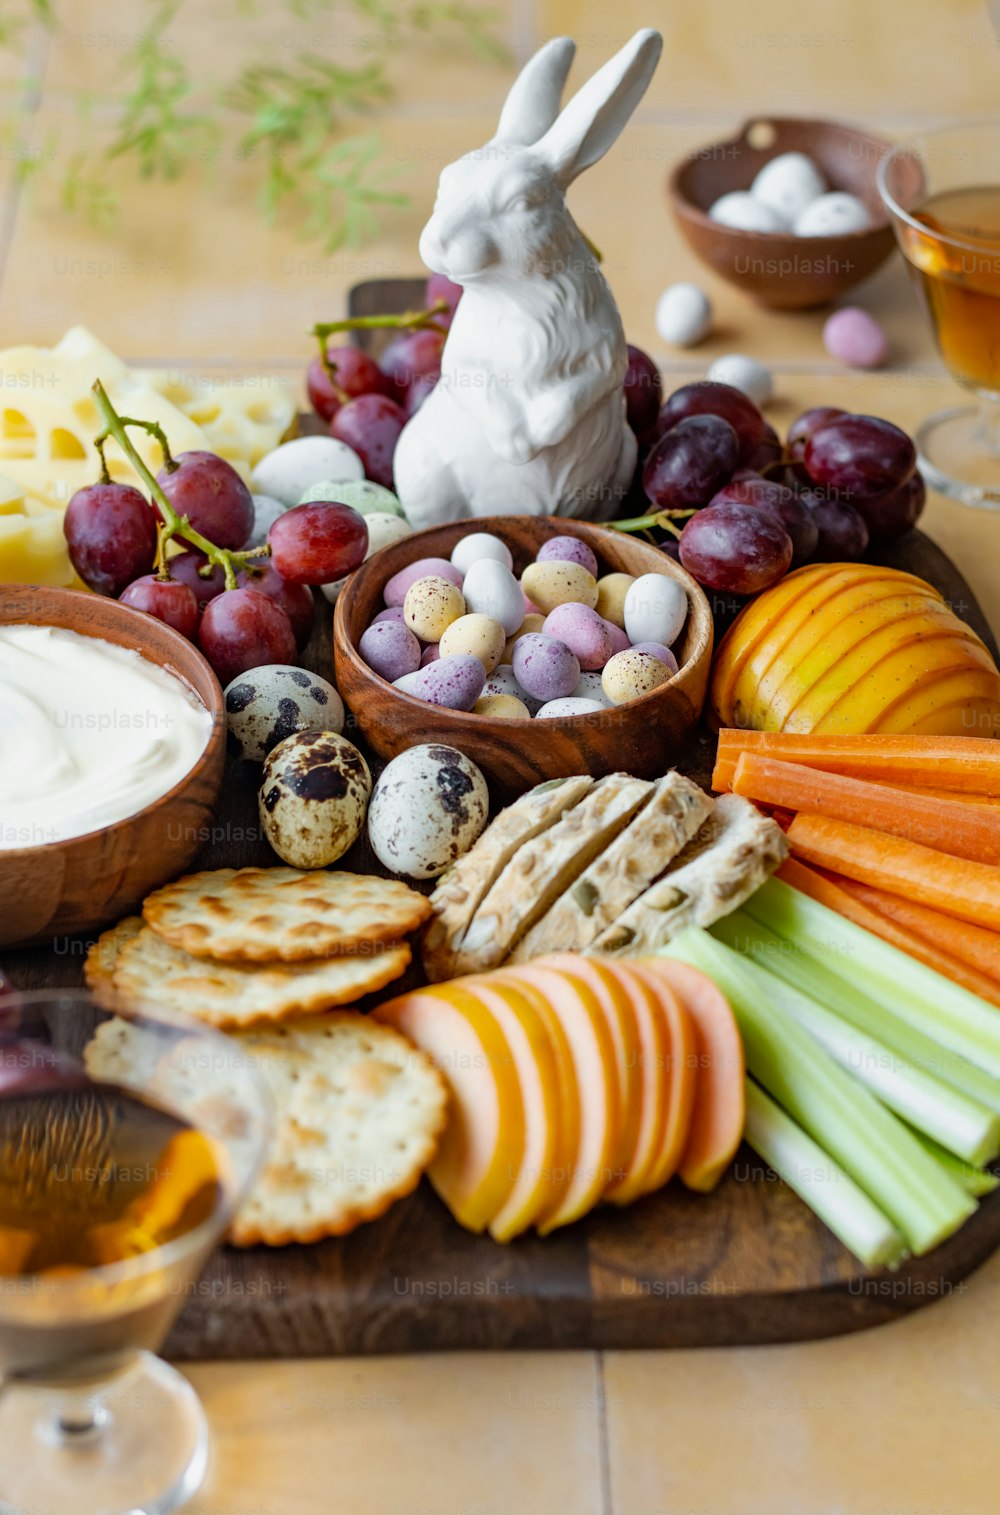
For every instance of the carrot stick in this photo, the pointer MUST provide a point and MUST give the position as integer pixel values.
(953, 885)
(989, 801)
(973, 945)
(969, 764)
(968, 831)
(839, 894)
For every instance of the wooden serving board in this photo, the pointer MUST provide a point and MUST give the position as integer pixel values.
(748, 1264)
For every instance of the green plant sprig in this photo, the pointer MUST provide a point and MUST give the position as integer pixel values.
(172, 525)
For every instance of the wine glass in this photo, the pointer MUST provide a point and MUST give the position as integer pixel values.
(942, 190)
(126, 1144)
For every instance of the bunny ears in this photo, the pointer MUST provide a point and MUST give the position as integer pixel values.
(592, 121)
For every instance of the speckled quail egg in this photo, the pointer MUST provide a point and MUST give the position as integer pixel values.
(430, 804)
(267, 704)
(313, 798)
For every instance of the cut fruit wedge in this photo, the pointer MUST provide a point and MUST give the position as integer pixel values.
(681, 1075)
(650, 1054)
(483, 1143)
(719, 1115)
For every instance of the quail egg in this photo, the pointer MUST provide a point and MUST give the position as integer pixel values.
(430, 804)
(313, 797)
(267, 704)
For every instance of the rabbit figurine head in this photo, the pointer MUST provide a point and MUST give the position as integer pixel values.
(529, 414)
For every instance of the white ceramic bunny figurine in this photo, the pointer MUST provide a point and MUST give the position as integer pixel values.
(528, 417)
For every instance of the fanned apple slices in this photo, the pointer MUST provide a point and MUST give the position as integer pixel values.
(575, 1080)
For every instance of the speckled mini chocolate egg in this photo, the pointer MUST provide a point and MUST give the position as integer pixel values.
(611, 591)
(267, 704)
(313, 798)
(430, 804)
(430, 606)
(479, 636)
(554, 583)
(630, 674)
(568, 549)
(502, 707)
(533, 621)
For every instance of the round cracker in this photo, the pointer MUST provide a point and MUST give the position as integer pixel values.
(282, 914)
(102, 959)
(150, 973)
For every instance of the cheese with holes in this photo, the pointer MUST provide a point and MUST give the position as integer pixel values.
(32, 545)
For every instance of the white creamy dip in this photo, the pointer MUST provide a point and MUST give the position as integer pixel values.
(90, 733)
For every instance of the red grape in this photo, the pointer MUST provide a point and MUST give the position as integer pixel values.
(209, 491)
(643, 393)
(767, 494)
(242, 629)
(110, 531)
(690, 462)
(440, 287)
(768, 451)
(371, 425)
(354, 373)
(296, 600)
(804, 425)
(860, 455)
(318, 543)
(709, 398)
(410, 356)
(185, 566)
(843, 535)
(735, 549)
(168, 600)
(889, 515)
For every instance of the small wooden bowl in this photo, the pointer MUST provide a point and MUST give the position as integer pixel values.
(62, 888)
(642, 737)
(778, 269)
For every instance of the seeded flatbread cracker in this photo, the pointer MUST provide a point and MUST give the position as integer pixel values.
(358, 1112)
(542, 869)
(637, 856)
(151, 973)
(102, 959)
(256, 915)
(463, 887)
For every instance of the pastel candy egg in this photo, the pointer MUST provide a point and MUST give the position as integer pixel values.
(390, 649)
(746, 213)
(502, 707)
(390, 613)
(657, 650)
(383, 529)
(743, 373)
(590, 687)
(455, 682)
(478, 545)
(584, 632)
(555, 583)
(683, 314)
(430, 606)
(545, 667)
(554, 709)
(611, 592)
(430, 654)
(502, 681)
(265, 512)
(361, 494)
(787, 184)
(287, 472)
(491, 589)
(478, 635)
(620, 641)
(568, 549)
(630, 674)
(655, 609)
(833, 215)
(854, 337)
(396, 587)
(533, 621)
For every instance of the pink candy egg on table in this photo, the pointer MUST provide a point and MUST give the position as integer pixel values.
(853, 336)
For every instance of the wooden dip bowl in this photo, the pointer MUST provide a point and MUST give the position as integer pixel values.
(642, 737)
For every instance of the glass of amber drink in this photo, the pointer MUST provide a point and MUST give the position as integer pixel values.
(942, 189)
(126, 1144)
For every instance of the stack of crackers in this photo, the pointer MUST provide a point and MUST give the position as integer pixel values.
(266, 954)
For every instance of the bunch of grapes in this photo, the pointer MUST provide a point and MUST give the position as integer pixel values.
(243, 607)
(753, 507)
(367, 404)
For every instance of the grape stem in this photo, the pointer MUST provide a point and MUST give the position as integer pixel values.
(172, 525)
(664, 519)
(410, 320)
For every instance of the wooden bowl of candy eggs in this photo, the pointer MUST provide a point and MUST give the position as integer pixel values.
(445, 677)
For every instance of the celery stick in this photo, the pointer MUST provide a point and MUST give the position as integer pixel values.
(977, 1181)
(876, 1149)
(960, 1124)
(848, 1000)
(941, 1009)
(828, 1191)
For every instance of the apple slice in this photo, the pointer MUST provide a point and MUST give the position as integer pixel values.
(481, 1150)
(719, 1114)
(681, 1075)
(650, 1053)
(593, 1053)
(528, 1036)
